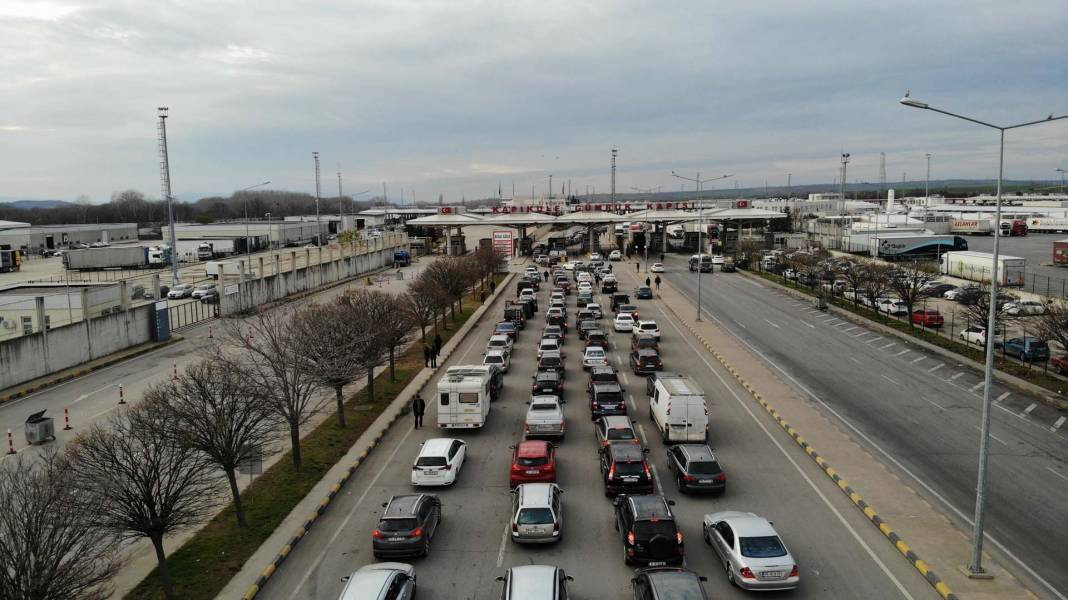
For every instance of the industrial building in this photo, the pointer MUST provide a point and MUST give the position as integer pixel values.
(237, 237)
(59, 305)
(50, 237)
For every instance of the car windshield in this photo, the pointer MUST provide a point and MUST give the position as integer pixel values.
(550, 361)
(620, 434)
(1037, 344)
(532, 461)
(627, 469)
(610, 397)
(535, 516)
(430, 461)
(678, 586)
(496, 359)
(397, 525)
(594, 353)
(762, 547)
(550, 406)
(703, 468)
(662, 527)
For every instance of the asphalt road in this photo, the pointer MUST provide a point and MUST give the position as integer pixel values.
(840, 554)
(918, 412)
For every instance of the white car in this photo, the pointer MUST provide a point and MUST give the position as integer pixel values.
(615, 255)
(595, 308)
(975, 335)
(647, 327)
(751, 551)
(1025, 307)
(657, 268)
(954, 293)
(500, 342)
(555, 311)
(527, 293)
(585, 286)
(545, 418)
(569, 265)
(548, 345)
(500, 358)
(595, 356)
(584, 277)
(439, 462)
(201, 290)
(718, 259)
(609, 278)
(623, 322)
(595, 256)
(893, 306)
(182, 290)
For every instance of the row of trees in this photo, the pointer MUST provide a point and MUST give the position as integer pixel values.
(154, 468)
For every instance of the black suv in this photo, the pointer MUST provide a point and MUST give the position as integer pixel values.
(548, 383)
(696, 469)
(606, 399)
(618, 300)
(663, 583)
(609, 287)
(406, 526)
(601, 375)
(645, 361)
(625, 469)
(648, 528)
(586, 326)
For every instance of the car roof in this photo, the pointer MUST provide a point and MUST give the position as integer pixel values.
(550, 341)
(607, 386)
(625, 315)
(649, 506)
(535, 494)
(532, 448)
(601, 370)
(617, 422)
(546, 398)
(591, 348)
(547, 375)
(646, 352)
(496, 353)
(697, 451)
(499, 337)
(646, 322)
(551, 354)
(745, 524)
(533, 581)
(436, 446)
(401, 506)
(626, 452)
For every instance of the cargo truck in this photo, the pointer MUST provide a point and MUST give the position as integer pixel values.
(976, 266)
(1047, 224)
(126, 257)
(972, 226)
(1013, 227)
(10, 260)
(906, 246)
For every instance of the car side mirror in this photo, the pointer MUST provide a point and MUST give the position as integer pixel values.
(346, 578)
(671, 503)
(384, 504)
(500, 578)
(645, 451)
(702, 578)
(569, 578)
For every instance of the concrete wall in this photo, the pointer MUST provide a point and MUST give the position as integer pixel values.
(29, 357)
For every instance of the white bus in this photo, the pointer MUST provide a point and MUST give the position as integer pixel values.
(464, 396)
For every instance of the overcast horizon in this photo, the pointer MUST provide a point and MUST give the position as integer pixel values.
(454, 97)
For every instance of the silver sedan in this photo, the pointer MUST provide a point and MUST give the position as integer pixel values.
(751, 551)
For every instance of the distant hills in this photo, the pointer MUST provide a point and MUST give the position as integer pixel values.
(30, 204)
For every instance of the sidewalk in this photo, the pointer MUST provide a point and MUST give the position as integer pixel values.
(929, 533)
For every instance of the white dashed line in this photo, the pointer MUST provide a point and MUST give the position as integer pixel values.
(623, 376)
(808, 324)
(936, 367)
(1028, 410)
(940, 407)
(1056, 473)
(916, 360)
(890, 380)
(888, 345)
(775, 325)
(1003, 396)
(978, 385)
(902, 352)
(993, 437)
(1057, 424)
(955, 377)
(633, 406)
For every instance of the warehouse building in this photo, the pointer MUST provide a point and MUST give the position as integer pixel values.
(60, 305)
(237, 236)
(51, 237)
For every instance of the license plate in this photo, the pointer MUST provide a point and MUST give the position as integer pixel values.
(534, 472)
(658, 563)
(396, 539)
(630, 479)
(704, 481)
(771, 574)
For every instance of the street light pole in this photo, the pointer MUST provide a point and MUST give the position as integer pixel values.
(318, 190)
(927, 181)
(1062, 172)
(270, 243)
(700, 228)
(975, 568)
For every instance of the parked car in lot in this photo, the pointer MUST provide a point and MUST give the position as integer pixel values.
(439, 462)
(545, 417)
(893, 306)
(928, 317)
(647, 526)
(208, 297)
(615, 429)
(1025, 308)
(199, 291)
(976, 334)
(595, 356)
(956, 292)
(751, 551)
(1027, 349)
(623, 322)
(182, 290)
(535, 582)
(407, 525)
(606, 399)
(645, 361)
(533, 461)
(936, 288)
(537, 513)
(696, 469)
(625, 469)
(1060, 364)
(388, 581)
(668, 583)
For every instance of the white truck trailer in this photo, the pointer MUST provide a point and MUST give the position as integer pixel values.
(976, 266)
(972, 226)
(1047, 224)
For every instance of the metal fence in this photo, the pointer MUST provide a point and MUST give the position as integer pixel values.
(190, 313)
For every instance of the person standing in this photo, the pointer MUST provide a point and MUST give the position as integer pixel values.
(657, 282)
(437, 344)
(426, 355)
(418, 408)
(434, 357)
(493, 286)
(647, 282)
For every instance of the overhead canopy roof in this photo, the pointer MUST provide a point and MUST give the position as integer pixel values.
(596, 217)
(457, 219)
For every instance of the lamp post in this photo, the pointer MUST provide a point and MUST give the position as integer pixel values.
(270, 242)
(975, 568)
(1062, 172)
(700, 227)
(318, 192)
(927, 182)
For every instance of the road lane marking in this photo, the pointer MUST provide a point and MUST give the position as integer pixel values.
(751, 282)
(623, 376)
(633, 406)
(641, 433)
(978, 385)
(874, 339)
(1051, 470)
(890, 380)
(992, 436)
(1003, 396)
(916, 360)
(740, 324)
(936, 367)
(940, 407)
(955, 377)
(863, 333)
(656, 476)
(504, 544)
(1057, 424)
(776, 326)
(1028, 410)
(888, 345)
(851, 328)
(902, 352)
(808, 324)
(826, 501)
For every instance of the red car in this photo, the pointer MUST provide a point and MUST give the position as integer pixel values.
(533, 461)
(928, 317)
(1059, 364)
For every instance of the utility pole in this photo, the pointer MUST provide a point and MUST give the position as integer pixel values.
(1062, 172)
(165, 187)
(614, 153)
(550, 186)
(845, 163)
(318, 193)
(340, 202)
(385, 198)
(789, 185)
(927, 182)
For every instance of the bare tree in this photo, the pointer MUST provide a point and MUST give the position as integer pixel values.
(876, 282)
(977, 309)
(216, 413)
(488, 261)
(1053, 324)
(364, 311)
(51, 544)
(854, 274)
(144, 482)
(265, 350)
(394, 329)
(327, 345)
(454, 276)
(420, 304)
(748, 252)
(430, 283)
(908, 284)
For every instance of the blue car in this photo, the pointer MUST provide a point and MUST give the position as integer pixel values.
(644, 293)
(1027, 349)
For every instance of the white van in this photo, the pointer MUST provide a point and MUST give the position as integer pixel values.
(464, 399)
(677, 406)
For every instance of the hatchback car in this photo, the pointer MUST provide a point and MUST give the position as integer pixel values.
(535, 582)
(552, 361)
(628, 309)
(625, 469)
(615, 429)
(609, 286)
(644, 293)
(406, 526)
(650, 535)
(500, 358)
(595, 308)
(439, 462)
(645, 361)
(1027, 349)
(586, 326)
(597, 337)
(639, 342)
(545, 418)
(595, 356)
(751, 551)
(601, 375)
(1025, 307)
(182, 290)
(928, 317)
(533, 461)
(553, 332)
(976, 335)
(615, 255)
(548, 345)
(548, 383)
(606, 399)
(647, 327)
(382, 581)
(696, 469)
(623, 322)
(537, 513)
(657, 268)
(668, 583)
(507, 328)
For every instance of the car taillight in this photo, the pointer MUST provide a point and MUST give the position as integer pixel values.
(747, 573)
(377, 534)
(645, 466)
(556, 529)
(447, 467)
(595, 405)
(689, 478)
(630, 538)
(678, 536)
(794, 572)
(612, 472)
(721, 477)
(515, 528)
(417, 532)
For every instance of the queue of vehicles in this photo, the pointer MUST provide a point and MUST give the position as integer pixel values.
(751, 551)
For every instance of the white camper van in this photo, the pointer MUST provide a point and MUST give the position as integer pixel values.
(677, 407)
(464, 398)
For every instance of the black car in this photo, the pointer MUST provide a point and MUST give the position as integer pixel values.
(552, 361)
(606, 399)
(585, 327)
(625, 470)
(668, 583)
(601, 375)
(530, 306)
(644, 293)
(696, 469)
(597, 337)
(548, 382)
(647, 341)
(648, 528)
(516, 315)
(728, 267)
(619, 299)
(558, 320)
(523, 284)
(609, 287)
(406, 526)
(645, 361)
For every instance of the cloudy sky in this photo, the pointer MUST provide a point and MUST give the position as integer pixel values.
(452, 96)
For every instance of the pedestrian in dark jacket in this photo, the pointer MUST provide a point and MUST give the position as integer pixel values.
(437, 344)
(426, 355)
(418, 408)
(657, 282)
(647, 282)
(434, 358)
(493, 286)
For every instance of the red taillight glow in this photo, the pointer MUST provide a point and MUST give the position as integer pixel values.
(377, 534)
(721, 477)
(515, 528)
(630, 538)
(794, 572)
(648, 474)
(746, 573)
(689, 478)
(612, 471)
(417, 532)
(678, 536)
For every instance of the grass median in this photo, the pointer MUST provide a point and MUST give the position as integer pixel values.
(204, 565)
(1033, 374)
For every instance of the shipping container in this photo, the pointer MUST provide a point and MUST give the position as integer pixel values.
(1060, 253)
(976, 266)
